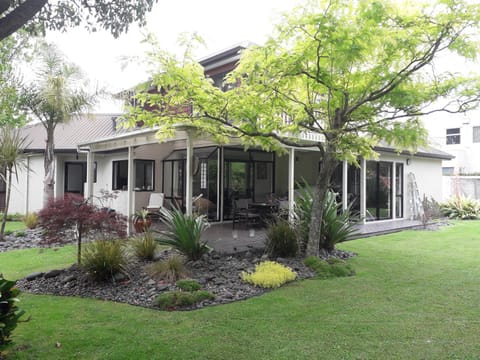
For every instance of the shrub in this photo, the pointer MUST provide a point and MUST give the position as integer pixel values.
(74, 212)
(461, 208)
(188, 285)
(9, 232)
(19, 233)
(102, 259)
(144, 246)
(169, 270)
(173, 299)
(31, 220)
(330, 268)
(281, 239)
(337, 224)
(9, 312)
(184, 233)
(269, 274)
(431, 210)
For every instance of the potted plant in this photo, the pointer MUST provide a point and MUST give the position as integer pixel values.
(141, 221)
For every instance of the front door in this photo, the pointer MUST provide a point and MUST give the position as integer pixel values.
(75, 177)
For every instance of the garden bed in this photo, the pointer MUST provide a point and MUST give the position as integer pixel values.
(218, 274)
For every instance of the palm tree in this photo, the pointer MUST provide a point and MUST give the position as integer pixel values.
(57, 95)
(12, 159)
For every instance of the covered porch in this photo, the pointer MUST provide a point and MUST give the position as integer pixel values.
(135, 165)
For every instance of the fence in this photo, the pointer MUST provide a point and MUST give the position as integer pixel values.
(465, 186)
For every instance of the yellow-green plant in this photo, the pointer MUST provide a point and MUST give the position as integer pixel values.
(144, 246)
(269, 274)
(31, 220)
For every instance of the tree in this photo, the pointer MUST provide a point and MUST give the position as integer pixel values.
(353, 72)
(11, 112)
(58, 93)
(12, 158)
(75, 212)
(38, 15)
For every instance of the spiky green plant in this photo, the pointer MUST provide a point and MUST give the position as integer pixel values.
(461, 208)
(12, 159)
(184, 233)
(337, 224)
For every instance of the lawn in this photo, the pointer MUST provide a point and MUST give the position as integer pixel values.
(14, 226)
(415, 296)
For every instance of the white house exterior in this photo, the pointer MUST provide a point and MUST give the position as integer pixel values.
(93, 156)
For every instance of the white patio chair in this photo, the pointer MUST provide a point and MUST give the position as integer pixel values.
(155, 203)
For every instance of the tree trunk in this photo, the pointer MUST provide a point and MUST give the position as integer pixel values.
(49, 165)
(78, 233)
(7, 202)
(329, 162)
(18, 17)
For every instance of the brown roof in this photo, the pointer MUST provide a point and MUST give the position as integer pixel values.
(77, 130)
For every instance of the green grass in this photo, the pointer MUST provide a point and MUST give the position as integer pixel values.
(415, 296)
(19, 263)
(14, 226)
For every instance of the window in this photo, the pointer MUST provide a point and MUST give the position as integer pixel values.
(476, 134)
(453, 136)
(447, 170)
(120, 175)
(144, 174)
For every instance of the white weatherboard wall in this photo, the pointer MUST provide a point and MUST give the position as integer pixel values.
(34, 189)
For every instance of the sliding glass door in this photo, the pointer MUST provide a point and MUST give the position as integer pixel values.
(379, 190)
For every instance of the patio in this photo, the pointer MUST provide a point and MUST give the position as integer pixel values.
(224, 239)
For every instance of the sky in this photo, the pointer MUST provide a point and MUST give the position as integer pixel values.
(221, 23)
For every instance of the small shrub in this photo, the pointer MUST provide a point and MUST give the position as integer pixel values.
(31, 220)
(269, 274)
(169, 270)
(144, 246)
(281, 240)
(330, 268)
(188, 285)
(9, 312)
(8, 232)
(102, 259)
(431, 210)
(173, 299)
(461, 208)
(184, 233)
(20, 234)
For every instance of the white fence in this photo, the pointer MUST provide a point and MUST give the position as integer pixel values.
(465, 186)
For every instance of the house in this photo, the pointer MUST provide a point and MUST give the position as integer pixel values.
(189, 165)
(458, 135)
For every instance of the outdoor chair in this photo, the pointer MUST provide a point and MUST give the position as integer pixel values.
(242, 213)
(155, 203)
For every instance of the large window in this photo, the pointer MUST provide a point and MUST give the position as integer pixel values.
(144, 175)
(379, 190)
(120, 175)
(453, 136)
(399, 190)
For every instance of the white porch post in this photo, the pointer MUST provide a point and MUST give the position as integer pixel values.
(345, 185)
(90, 162)
(129, 189)
(189, 175)
(291, 183)
(363, 190)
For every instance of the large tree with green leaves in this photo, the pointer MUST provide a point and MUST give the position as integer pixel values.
(59, 92)
(11, 51)
(352, 72)
(39, 15)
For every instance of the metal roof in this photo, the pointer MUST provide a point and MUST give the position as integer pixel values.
(82, 129)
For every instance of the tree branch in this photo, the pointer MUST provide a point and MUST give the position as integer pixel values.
(19, 16)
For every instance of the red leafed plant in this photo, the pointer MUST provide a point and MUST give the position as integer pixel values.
(76, 213)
